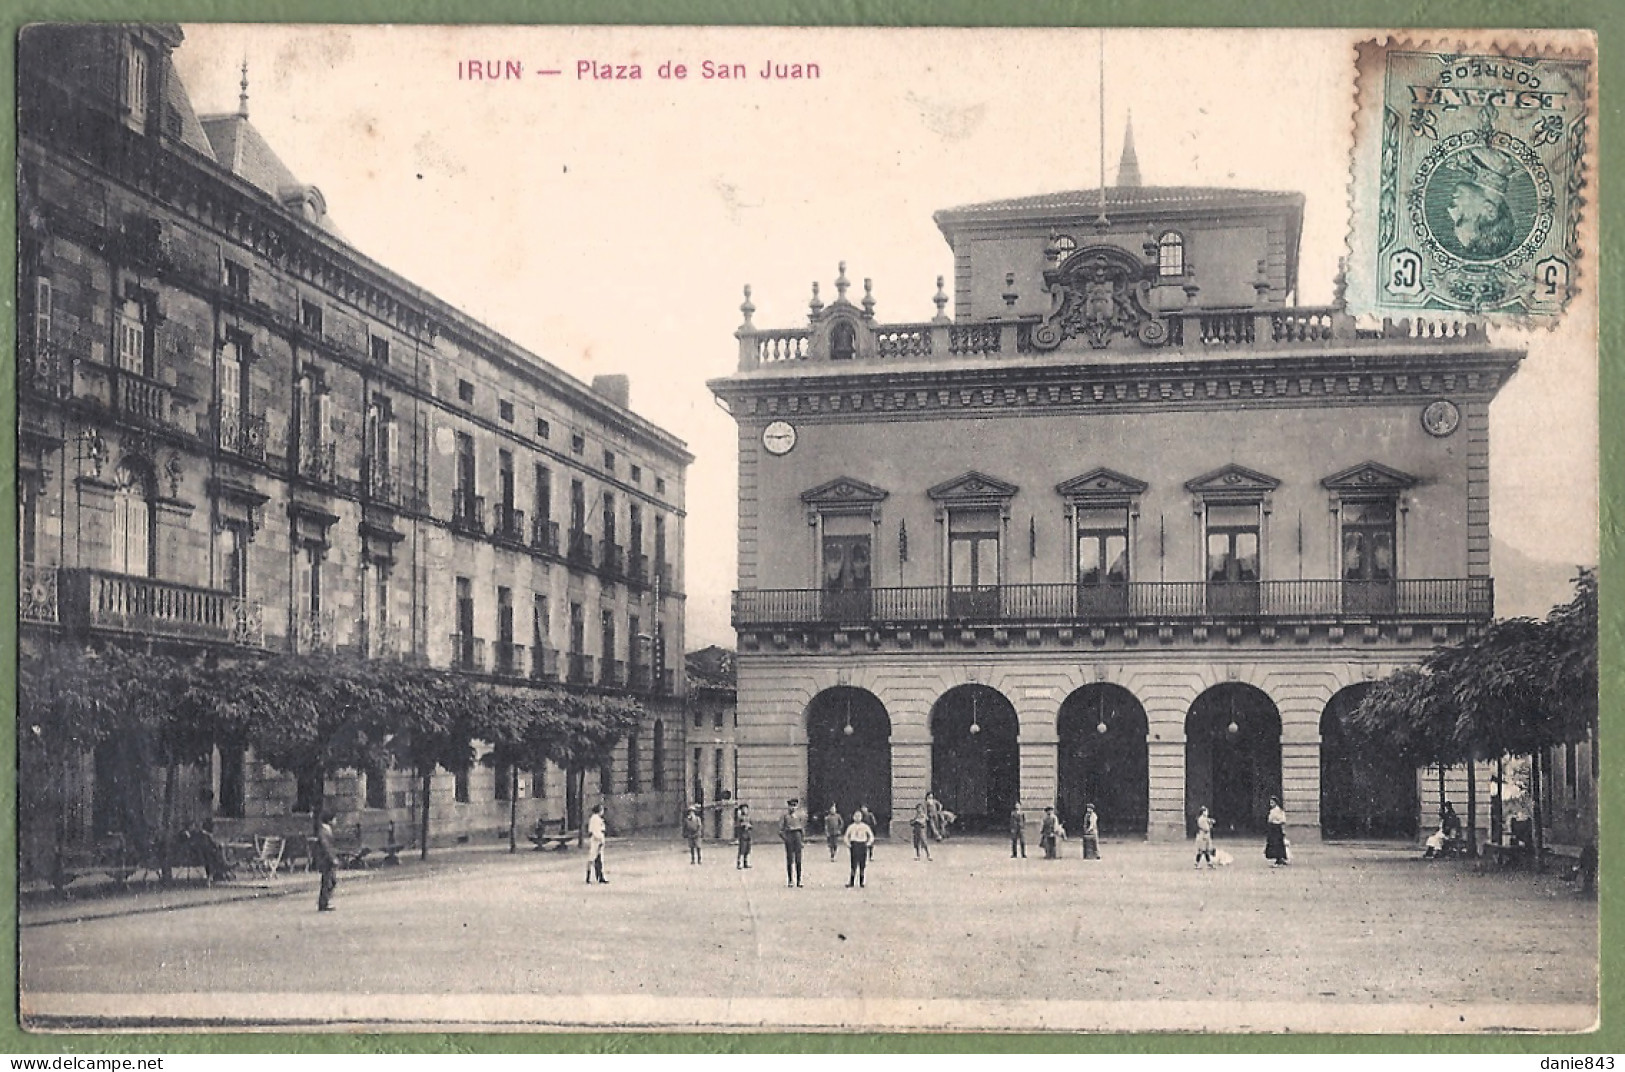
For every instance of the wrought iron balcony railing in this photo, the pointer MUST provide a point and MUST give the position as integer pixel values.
(510, 659)
(544, 663)
(544, 535)
(319, 462)
(315, 631)
(382, 482)
(467, 653)
(36, 594)
(614, 673)
(580, 668)
(1459, 598)
(508, 524)
(637, 568)
(100, 599)
(468, 512)
(244, 434)
(580, 553)
(612, 558)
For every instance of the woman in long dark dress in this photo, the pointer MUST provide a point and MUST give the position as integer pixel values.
(1275, 840)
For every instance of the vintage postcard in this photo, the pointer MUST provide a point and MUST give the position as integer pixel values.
(1470, 161)
(581, 528)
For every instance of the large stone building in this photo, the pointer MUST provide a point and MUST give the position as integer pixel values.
(1130, 528)
(240, 433)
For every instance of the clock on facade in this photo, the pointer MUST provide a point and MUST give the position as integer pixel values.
(779, 437)
(1441, 418)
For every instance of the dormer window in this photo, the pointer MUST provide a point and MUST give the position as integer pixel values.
(138, 75)
(1170, 255)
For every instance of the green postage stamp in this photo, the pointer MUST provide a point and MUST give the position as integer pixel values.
(1470, 177)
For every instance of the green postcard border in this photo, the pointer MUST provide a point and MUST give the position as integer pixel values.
(1607, 17)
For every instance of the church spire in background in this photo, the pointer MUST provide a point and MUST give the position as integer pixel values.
(1128, 168)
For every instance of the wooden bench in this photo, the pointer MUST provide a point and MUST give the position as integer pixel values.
(561, 841)
(108, 857)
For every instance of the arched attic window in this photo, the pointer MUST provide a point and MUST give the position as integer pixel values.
(1171, 255)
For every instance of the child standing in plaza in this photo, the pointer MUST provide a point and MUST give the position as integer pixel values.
(834, 823)
(859, 838)
(918, 825)
(1204, 838)
(742, 835)
(693, 827)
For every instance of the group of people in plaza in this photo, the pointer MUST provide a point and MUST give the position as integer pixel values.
(929, 823)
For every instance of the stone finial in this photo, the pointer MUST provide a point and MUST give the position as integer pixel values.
(868, 298)
(242, 95)
(817, 303)
(1261, 282)
(940, 299)
(840, 282)
(1150, 245)
(1010, 294)
(748, 309)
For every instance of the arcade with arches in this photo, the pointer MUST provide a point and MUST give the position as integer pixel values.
(1103, 760)
(975, 756)
(849, 753)
(1362, 794)
(1232, 758)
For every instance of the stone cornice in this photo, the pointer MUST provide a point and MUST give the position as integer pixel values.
(1346, 377)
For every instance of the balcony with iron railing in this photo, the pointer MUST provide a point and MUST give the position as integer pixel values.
(544, 663)
(318, 462)
(467, 653)
(381, 482)
(37, 594)
(637, 568)
(612, 673)
(612, 558)
(580, 550)
(85, 599)
(314, 632)
(544, 535)
(468, 512)
(381, 640)
(1470, 598)
(510, 660)
(244, 434)
(580, 668)
(45, 370)
(508, 524)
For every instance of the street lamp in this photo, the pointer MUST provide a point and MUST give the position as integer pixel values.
(975, 726)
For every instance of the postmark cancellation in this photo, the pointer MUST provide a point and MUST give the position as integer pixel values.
(1469, 176)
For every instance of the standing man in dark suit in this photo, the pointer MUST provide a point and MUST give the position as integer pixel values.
(327, 862)
(793, 832)
(1018, 831)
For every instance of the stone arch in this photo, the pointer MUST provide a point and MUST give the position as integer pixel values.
(975, 755)
(1103, 759)
(849, 757)
(1362, 793)
(1232, 757)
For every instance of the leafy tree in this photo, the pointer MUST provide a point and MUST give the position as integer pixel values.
(311, 715)
(431, 716)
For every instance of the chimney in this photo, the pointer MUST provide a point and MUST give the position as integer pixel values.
(617, 388)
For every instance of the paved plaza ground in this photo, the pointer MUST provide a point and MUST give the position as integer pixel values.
(1350, 937)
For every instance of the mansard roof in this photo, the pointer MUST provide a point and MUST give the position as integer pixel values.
(1118, 198)
(243, 151)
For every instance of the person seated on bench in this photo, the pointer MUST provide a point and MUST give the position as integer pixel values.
(208, 853)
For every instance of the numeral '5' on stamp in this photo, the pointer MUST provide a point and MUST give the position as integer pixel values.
(1468, 176)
